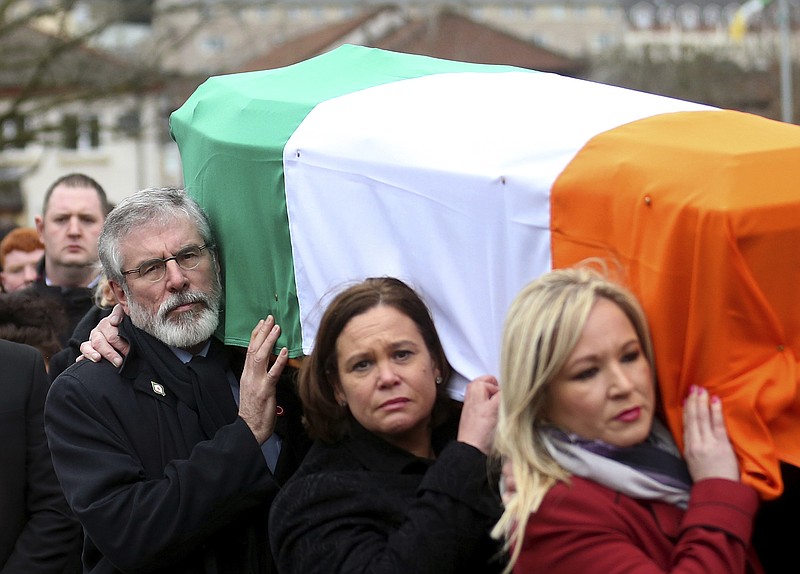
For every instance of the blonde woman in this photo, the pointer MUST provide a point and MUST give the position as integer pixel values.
(598, 484)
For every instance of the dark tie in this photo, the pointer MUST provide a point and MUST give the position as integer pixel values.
(216, 406)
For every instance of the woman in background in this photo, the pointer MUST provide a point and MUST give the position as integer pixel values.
(28, 318)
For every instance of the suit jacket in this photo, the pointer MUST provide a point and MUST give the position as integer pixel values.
(113, 435)
(584, 527)
(38, 533)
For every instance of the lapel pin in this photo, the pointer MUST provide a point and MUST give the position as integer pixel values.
(158, 388)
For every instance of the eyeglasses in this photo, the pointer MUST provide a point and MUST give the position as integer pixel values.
(154, 269)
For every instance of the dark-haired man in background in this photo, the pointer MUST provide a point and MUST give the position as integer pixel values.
(75, 207)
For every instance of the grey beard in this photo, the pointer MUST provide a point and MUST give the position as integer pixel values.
(186, 330)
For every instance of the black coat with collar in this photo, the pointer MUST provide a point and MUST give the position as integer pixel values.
(76, 301)
(148, 502)
(38, 533)
(363, 505)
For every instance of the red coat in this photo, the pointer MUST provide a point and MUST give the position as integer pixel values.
(586, 527)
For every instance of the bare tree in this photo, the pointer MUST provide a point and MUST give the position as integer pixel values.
(48, 58)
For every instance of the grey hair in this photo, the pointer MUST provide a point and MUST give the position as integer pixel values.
(159, 206)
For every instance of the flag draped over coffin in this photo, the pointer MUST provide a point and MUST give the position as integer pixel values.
(363, 162)
(701, 209)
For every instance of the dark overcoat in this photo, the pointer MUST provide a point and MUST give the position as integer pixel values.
(148, 501)
(38, 533)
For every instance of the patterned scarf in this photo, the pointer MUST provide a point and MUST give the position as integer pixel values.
(652, 470)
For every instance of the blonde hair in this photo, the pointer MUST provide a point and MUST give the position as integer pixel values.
(103, 294)
(543, 326)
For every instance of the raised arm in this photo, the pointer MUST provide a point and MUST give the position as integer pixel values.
(708, 450)
(479, 414)
(257, 405)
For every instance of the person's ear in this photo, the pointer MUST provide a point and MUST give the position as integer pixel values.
(339, 395)
(119, 294)
(437, 372)
(39, 222)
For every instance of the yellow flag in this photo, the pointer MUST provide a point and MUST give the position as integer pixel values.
(740, 20)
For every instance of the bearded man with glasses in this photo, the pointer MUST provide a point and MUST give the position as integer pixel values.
(171, 460)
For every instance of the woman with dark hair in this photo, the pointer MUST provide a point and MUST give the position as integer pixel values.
(27, 317)
(385, 488)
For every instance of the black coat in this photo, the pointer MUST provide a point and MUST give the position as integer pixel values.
(113, 438)
(66, 356)
(76, 301)
(366, 506)
(37, 530)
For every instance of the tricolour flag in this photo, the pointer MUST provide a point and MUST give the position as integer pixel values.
(743, 16)
(468, 181)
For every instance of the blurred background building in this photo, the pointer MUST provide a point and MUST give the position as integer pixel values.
(88, 85)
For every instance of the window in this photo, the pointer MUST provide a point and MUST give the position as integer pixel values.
(213, 44)
(689, 15)
(80, 132)
(603, 41)
(82, 14)
(666, 15)
(643, 16)
(12, 132)
(712, 16)
(129, 123)
(10, 192)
